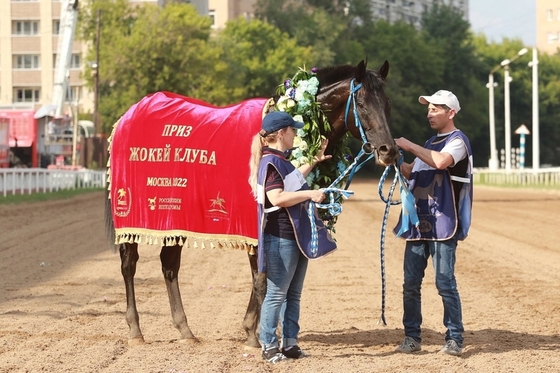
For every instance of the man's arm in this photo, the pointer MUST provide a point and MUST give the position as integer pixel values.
(433, 158)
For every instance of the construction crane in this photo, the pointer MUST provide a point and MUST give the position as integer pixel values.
(59, 140)
(68, 21)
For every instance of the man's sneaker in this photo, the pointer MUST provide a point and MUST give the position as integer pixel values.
(452, 348)
(293, 352)
(273, 355)
(409, 345)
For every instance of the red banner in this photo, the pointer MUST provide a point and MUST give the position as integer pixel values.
(179, 167)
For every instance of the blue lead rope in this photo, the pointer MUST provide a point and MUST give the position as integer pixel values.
(335, 208)
(409, 217)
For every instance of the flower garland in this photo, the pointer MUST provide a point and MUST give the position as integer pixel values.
(298, 98)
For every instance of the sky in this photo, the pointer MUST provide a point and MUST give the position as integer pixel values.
(498, 19)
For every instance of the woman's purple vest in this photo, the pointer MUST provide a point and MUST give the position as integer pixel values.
(442, 213)
(293, 181)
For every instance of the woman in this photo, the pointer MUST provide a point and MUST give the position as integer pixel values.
(281, 192)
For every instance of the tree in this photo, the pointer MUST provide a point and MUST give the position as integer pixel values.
(415, 65)
(146, 49)
(331, 27)
(463, 72)
(258, 57)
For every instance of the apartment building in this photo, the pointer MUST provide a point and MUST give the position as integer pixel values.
(548, 25)
(29, 40)
(410, 11)
(28, 46)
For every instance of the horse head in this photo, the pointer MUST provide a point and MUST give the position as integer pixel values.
(353, 99)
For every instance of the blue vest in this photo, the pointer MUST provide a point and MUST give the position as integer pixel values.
(443, 197)
(293, 181)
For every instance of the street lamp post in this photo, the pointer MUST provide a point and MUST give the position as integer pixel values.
(493, 163)
(507, 119)
(505, 64)
(536, 151)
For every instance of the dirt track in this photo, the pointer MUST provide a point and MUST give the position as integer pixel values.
(62, 298)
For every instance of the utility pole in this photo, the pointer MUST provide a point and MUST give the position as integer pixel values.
(96, 77)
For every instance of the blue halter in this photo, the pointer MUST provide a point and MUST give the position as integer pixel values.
(354, 167)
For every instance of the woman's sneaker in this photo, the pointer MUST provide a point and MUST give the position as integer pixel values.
(273, 355)
(293, 352)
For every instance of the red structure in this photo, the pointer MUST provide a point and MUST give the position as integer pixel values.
(4, 144)
(23, 139)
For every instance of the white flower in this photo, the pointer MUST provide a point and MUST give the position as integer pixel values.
(297, 141)
(303, 145)
(299, 93)
(295, 162)
(284, 102)
(298, 118)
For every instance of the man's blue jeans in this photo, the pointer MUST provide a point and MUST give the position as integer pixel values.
(286, 267)
(415, 261)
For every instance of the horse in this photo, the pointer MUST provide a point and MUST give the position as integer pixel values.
(161, 117)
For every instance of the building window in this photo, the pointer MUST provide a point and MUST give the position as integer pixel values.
(549, 15)
(25, 28)
(26, 61)
(76, 61)
(56, 27)
(73, 93)
(212, 15)
(27, 94)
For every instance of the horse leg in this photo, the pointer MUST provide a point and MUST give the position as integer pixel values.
(253, 314)
(170, 257)
(129, 258)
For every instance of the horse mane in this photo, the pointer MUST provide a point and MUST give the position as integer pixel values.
(333, 74)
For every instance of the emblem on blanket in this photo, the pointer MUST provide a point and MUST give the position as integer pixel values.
(179, 168)
(122, 207)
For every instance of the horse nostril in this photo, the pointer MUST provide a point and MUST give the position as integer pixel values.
(383, 149)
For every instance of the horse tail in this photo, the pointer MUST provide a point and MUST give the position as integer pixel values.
(109, 224)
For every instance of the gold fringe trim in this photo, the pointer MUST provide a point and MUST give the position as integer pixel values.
(184, 239)
(109, 141)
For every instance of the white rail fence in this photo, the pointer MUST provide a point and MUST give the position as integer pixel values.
(544, 177)
(37, 180)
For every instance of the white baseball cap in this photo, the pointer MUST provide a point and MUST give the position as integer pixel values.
(441, 97)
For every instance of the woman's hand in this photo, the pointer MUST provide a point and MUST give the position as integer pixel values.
(317, 195)
(321, 156)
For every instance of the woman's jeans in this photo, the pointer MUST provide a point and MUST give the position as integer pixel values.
(286, 267)
(415, 261)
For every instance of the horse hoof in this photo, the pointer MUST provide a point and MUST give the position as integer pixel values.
(136, 341)
(193, 340)
(252, 343)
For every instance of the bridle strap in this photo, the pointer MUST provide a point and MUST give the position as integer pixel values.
(354, 167)
(352, 100)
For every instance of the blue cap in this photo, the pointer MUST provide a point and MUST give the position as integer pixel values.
(276, 120)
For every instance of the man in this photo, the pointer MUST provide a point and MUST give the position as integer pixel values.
(440, 178)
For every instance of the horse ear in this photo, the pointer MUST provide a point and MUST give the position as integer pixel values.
(384, 70)
(360, 71)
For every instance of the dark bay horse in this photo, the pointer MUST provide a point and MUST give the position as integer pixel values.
(139, 192)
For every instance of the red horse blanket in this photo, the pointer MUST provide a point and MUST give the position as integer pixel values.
(179, 168)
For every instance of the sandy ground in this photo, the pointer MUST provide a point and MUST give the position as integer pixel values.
(62, 297)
